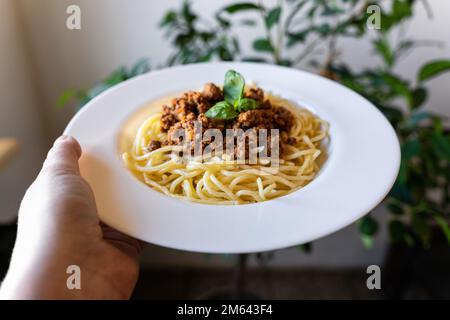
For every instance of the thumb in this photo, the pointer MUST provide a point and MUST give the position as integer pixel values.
(63, 157)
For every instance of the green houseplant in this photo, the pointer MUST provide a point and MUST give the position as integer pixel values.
(307, 33)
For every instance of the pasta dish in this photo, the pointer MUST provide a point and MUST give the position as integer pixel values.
(230, 144)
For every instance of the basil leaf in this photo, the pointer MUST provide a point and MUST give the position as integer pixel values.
(233, 87)
(246, 104)
(222, 110)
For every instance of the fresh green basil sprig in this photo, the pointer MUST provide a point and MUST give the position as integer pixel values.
(234, 102)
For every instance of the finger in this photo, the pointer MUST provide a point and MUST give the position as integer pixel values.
(63, 157)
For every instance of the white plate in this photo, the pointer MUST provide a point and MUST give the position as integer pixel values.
(362, 165)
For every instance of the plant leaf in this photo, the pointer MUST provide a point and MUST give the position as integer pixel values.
(416, 118)
(233, 87)
(433, 69)
(285, 62)
(116, 77)
(140, 67)
(419, 96)
(96, 90)
(401, 192)
(367, 241)
(225, 23)
(248, 22)
(65, 97)
(397, 230)
(441, 144)
(393, 114)
(368, 226)
(384, 49)
(306, 247)
(401, 9)
(294, 38)
(273, 17)
(410, 149)
(443, 224)
(395, 207)
(263, 45)
(246, 104)
(243, 6)
(222, 110)
(399, 87)
(323, 30)
(254, 59)
(330, 11)
(169, 18)
(421, 227)
(187, 13)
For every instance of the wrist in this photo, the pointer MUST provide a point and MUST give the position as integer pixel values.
(48, 279)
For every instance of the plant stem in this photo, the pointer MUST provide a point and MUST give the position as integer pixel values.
(280, 33)
(428, 10)
(309, 48)
(275, 51)
(292, 15)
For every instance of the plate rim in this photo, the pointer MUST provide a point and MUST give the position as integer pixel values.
(252, 248)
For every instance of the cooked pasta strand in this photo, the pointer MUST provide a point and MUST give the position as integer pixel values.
(218, 180)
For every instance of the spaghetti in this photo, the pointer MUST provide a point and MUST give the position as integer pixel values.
(219, 180)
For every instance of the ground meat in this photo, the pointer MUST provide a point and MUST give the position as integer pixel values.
(185, 128)
(283, 118)
(188, 129)
(291, 140)
(173, 136)
(266, 104)
(208, 123)
(203, 107)
(258, 118)
(168, 119)
(275, 118)
(182, 107)
(255, 94)
(202, 104)
(212, 93)
(184, 111)
(153, 145)
(190, 102)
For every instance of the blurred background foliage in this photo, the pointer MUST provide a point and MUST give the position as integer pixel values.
(307, 33)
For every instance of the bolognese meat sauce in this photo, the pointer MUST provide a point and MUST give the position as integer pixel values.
(184, 111)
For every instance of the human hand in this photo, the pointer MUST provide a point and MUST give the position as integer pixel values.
(58, 226)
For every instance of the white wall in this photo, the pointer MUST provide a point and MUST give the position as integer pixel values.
(19, 114)
(117, 32)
